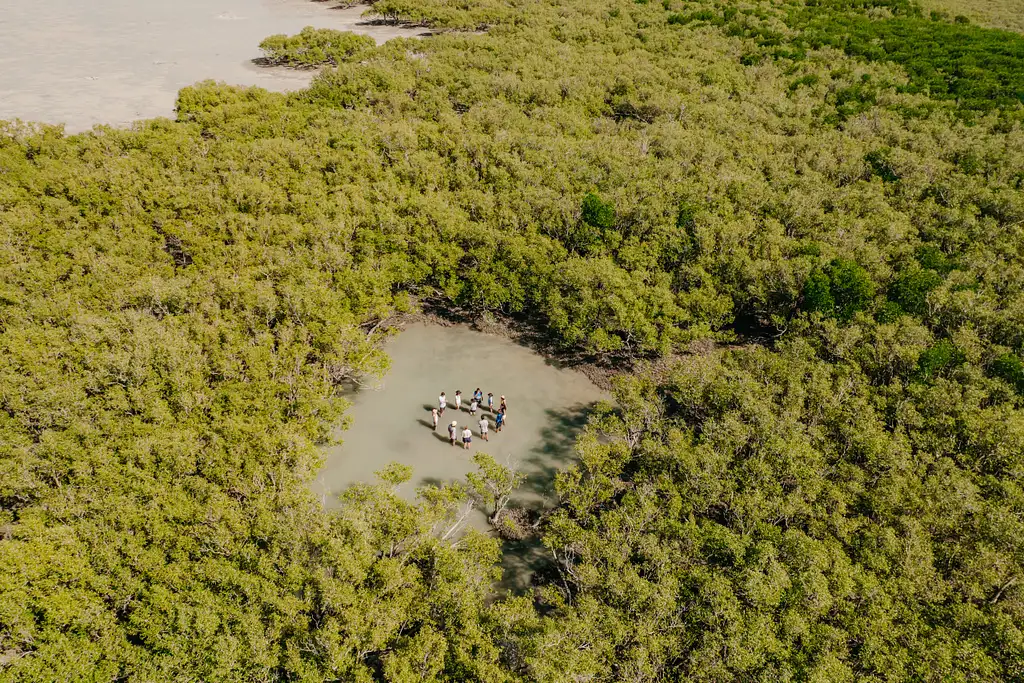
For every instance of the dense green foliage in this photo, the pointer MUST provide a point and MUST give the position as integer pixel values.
(315, 47)
(1005, 14)
(839, 290)
(773, 516)
(836, 495)
(1011, 369)
(980, 68)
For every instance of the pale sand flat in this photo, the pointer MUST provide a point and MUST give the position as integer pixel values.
(87, 62)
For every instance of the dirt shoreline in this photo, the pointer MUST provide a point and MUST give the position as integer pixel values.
(602, 372)
(515, 331)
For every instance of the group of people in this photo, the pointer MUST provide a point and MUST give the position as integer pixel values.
(476, 403)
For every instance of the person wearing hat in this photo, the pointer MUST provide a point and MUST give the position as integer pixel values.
(501, 407)
(452, 429)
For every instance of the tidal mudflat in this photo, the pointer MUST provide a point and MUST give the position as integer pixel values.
(390, 421)
(85, 62)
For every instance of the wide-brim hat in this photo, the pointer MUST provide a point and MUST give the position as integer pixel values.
(455, 423)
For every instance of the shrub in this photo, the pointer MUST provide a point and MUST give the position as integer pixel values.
(910, 290)
(315, 47)
(597, 213)
(980, 68)
(818, 293)
(839, 291)
(938, 358)
(1010, 367)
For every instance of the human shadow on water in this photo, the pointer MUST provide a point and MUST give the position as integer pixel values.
(428, 407)
(443, 438)
(426, 423)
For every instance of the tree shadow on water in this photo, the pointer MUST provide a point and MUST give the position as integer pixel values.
(433, 481)
(523, 560)
(520, 562)
(556, 449)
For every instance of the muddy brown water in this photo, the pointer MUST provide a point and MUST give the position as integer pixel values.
(86, 62)
(390, 421)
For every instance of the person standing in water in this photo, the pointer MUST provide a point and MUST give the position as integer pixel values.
(490, 402)
(472, 407)
(499, 420)
(467, 438)
(483, 428)
(442, 403)
(478, 396)
(452, 428)
(502, 407)
(434, 415)
(458, 400)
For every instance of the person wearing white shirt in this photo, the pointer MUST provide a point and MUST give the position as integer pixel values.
(484, 426)
(467, 438)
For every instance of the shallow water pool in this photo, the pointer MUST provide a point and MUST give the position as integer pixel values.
(547, 408)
